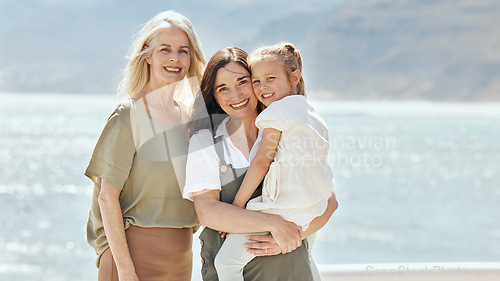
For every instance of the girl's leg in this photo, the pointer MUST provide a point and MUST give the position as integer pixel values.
(310, 242)
(232, 258)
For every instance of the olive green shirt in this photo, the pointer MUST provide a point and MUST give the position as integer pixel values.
(146, 159)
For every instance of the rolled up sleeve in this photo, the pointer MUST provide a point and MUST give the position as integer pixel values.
(202, 166)
(114, 152)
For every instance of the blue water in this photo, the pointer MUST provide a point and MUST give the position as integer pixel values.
(416, 182)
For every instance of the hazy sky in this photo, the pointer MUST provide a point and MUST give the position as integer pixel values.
(352, 49)
(72, 39)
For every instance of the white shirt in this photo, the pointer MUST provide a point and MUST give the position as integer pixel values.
(202, 166)
(300, 180)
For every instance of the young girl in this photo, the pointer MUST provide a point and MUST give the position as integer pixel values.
(293, 153)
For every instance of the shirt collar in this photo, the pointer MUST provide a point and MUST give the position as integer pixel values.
(222, 129)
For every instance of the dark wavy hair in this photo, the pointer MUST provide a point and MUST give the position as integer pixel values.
(207, 114)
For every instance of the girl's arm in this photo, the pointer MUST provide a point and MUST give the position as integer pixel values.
(230, 218)
(267, 245)
(259, 166)
(318, 223)
(112, 219)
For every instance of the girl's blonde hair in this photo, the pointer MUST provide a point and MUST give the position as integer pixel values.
(136, 74)
(289, 58)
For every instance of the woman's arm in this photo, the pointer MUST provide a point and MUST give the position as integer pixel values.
(230, 218)
(259, 166)
(267, 245)
(112, 218)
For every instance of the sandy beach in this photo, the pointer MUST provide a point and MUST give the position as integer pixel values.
(412, 272)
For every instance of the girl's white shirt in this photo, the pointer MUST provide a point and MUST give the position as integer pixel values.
(202, 166)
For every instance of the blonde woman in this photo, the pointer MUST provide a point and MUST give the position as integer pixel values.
(139, 224)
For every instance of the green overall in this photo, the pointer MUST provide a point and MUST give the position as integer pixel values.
(283, 267)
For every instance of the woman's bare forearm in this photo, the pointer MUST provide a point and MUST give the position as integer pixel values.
(233, 219)
(112, 218)
(267, 245)
(230, 218)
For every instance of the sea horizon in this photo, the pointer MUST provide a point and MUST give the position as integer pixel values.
(415, 181)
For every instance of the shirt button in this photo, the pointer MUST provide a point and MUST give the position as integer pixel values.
(202, 261)
(223, 168)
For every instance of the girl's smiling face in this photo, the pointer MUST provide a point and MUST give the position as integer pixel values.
(270, 82)
(233, 91)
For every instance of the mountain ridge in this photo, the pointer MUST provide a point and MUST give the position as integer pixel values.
(360, 49)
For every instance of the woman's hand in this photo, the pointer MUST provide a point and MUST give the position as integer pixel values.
(267, 246)
(223, 234)
(128, 276)
(288, 235)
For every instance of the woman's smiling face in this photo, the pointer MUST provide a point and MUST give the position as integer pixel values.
(171, 57)
(234, 92)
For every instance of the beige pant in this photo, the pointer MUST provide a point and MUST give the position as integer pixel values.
(157, 254)
(233, 256)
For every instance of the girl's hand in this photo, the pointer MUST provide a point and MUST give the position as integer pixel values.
(288, 235)
(223, 234)
(267, 246)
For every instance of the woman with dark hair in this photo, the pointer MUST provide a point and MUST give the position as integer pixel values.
(223, 141)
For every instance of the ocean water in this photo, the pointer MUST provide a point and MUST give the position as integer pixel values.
(416, 182)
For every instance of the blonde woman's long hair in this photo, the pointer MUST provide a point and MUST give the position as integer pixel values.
(136, 74)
